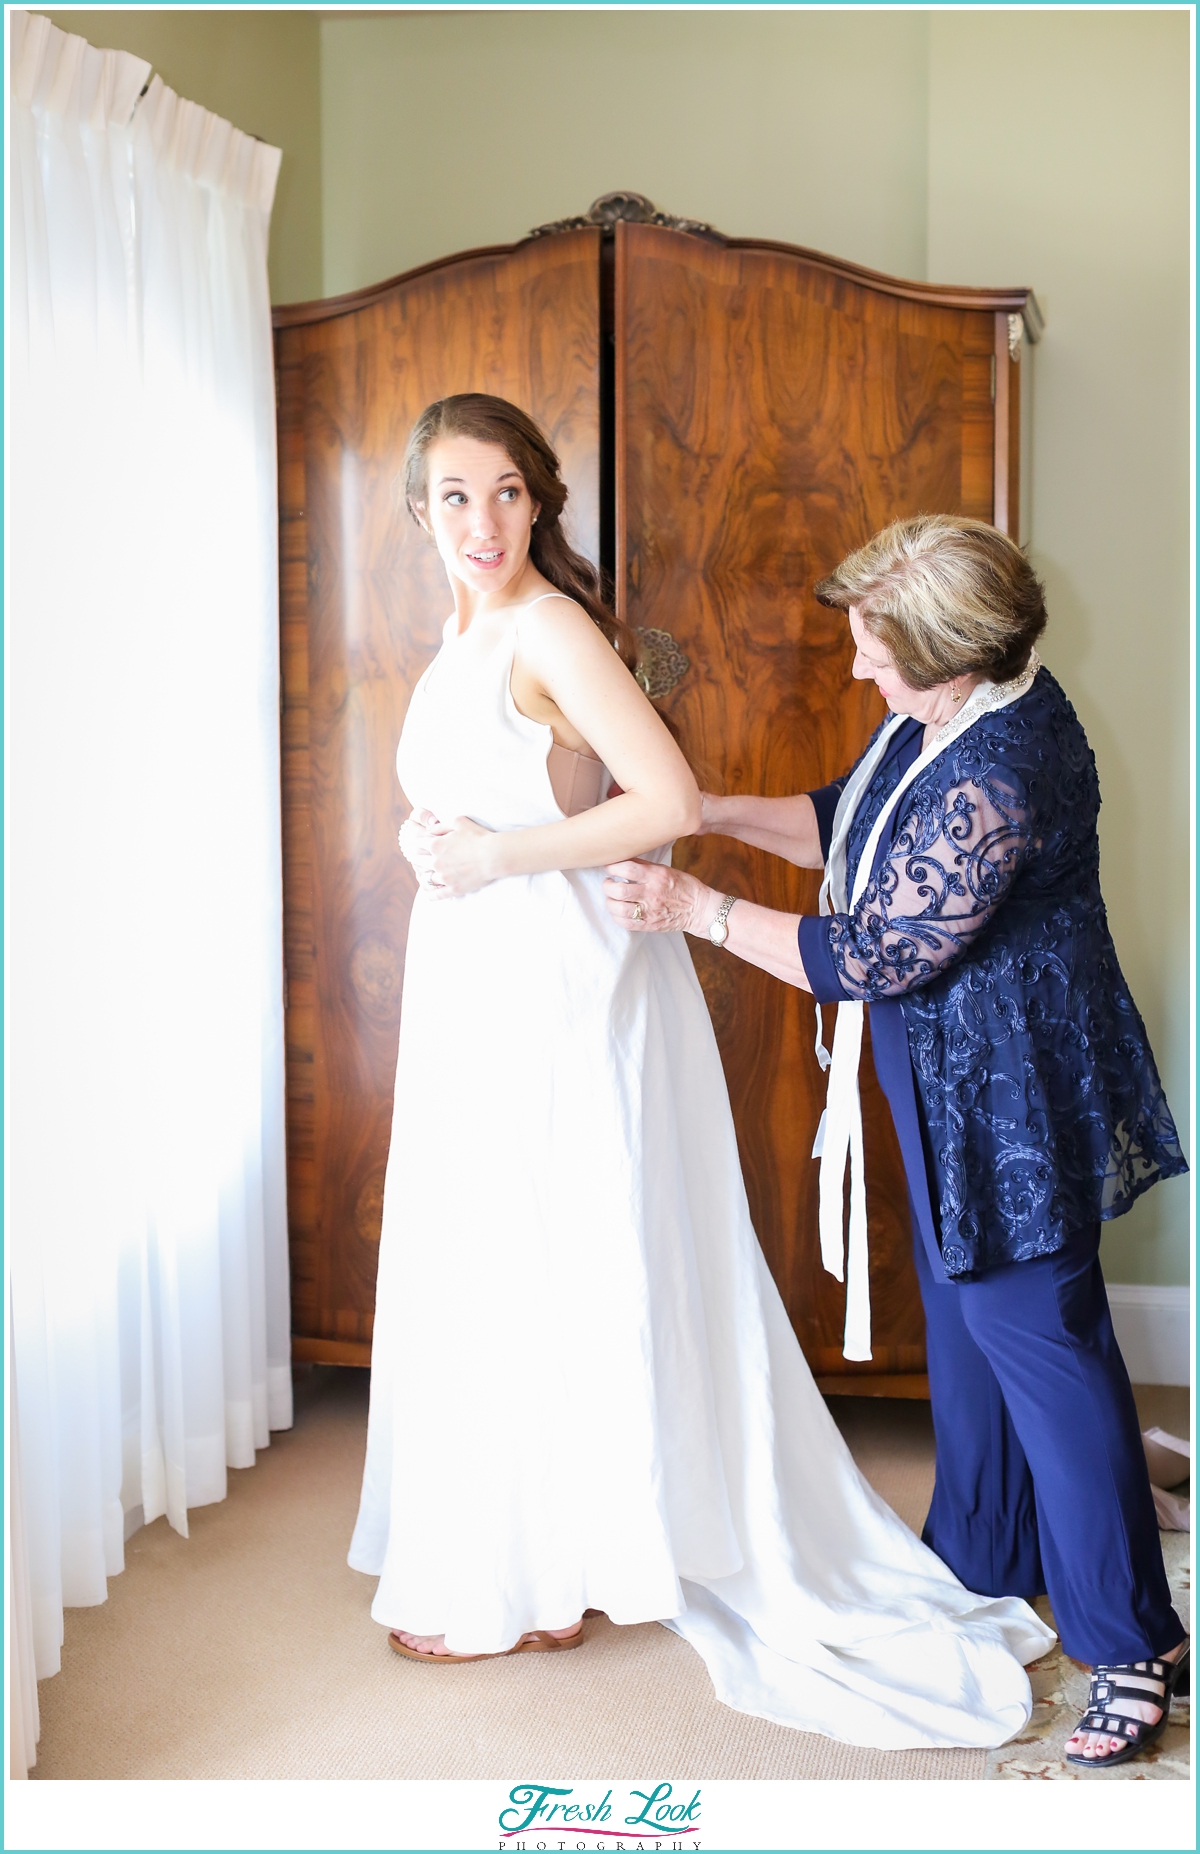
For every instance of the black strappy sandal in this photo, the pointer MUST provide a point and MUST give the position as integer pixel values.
(1174, 1677)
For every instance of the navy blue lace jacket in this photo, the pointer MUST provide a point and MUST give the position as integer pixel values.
(983, 920)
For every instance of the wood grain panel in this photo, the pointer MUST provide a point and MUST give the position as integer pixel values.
(771, 415)
(1010, 460)
(363, 602)
(977, 480)
(1002, 395)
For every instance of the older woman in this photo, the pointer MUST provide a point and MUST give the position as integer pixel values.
(961, 905)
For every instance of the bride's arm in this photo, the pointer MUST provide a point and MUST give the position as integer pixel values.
(786, 827)
(563, 653)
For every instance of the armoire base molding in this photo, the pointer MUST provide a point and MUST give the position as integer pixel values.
(330, 1351)
(877, 1384)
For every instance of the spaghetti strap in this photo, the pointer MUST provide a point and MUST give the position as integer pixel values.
(576, 779)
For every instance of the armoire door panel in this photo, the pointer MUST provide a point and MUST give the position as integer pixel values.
(364, 599)
(772, 414)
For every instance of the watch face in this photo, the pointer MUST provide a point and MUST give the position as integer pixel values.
(718, 933)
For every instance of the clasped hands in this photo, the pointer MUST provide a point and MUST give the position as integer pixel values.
(451, 860)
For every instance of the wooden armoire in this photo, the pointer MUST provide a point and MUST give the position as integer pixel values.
(733, 416)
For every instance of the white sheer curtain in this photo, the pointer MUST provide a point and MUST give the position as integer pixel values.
(147, 1231)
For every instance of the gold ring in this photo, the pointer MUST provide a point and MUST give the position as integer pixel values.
(638, 913)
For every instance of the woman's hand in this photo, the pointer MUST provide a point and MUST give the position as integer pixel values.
(414, 838)
(648, 898)
(418, 833)
(463, 857)
(786, 827)
(449, 859)
(710, 815)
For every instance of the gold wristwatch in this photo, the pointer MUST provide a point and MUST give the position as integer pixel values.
(718, 931)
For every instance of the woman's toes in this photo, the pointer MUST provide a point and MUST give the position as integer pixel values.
(1096, 1747)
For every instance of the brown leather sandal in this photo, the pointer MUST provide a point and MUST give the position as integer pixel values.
(540, 1642)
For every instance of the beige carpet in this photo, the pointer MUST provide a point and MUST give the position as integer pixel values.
(247, 1651)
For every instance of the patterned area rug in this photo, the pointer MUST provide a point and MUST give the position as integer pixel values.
(1060, 1690)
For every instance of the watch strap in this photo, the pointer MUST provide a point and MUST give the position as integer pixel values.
(721, 917)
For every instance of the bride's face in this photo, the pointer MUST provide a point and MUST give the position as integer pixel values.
(479, 512)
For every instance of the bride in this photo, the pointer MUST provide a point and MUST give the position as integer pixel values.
(586, 1393)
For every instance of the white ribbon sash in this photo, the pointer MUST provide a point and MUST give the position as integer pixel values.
(840, 1133)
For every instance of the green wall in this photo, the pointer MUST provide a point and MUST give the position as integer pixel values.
(1058, 156)
(448, 130)
(262, 71)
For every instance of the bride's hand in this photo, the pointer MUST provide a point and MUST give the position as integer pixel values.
(648, 898)
(462, 858)
(414, 837)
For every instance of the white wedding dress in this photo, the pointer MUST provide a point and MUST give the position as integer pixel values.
(585, 1390)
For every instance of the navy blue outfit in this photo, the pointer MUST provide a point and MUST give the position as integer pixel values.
(1028, 1109)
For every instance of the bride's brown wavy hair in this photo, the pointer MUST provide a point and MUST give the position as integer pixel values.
(495, 421)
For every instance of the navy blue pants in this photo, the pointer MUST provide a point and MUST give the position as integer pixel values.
(1041, 1477)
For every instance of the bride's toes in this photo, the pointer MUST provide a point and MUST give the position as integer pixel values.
(421, 1644)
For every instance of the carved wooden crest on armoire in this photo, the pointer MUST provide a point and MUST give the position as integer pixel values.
(733, 416)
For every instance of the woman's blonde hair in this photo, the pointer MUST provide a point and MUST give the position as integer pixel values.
(946, 596)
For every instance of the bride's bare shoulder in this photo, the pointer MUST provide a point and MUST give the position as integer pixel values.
(550, 600)
(555, 620)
